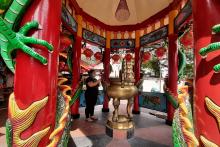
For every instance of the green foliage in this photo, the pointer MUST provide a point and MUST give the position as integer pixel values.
(153, 65)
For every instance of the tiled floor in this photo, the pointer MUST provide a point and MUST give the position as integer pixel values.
(150, 131)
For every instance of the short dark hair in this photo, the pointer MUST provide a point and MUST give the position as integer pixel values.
(90, 72)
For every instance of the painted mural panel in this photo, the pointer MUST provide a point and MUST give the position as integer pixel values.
(94, 38)
(68, 19)
(153, 100)
(154, 36)
(122, 43)
(185, 12)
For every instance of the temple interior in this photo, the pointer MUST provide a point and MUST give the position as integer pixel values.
(109, 73)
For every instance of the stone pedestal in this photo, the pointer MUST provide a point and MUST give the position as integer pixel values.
(119, 134)
(122, 129)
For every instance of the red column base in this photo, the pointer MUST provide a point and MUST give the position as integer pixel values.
(170, 113)
(168, 122)
(105, 109)
(136, 112)
(76, 74)
(75, 116)
(172, 74)
(105, 104)
(75, 110)
(136, 108)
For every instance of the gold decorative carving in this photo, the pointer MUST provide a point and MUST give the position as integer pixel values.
(215, 110)
(56, 135)
(207, 143)
(22, 119)
(186, 124)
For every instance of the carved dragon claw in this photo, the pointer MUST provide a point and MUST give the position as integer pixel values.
(212, 47)
(9, 41)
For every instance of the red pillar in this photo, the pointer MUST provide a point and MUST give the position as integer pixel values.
(172, 74)
(76, 74)
(205, 15)
(34, 81)
(136, 109)
(106, 76)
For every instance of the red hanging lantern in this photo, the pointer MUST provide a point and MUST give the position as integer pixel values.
(65, 42)
(98, 56)
(160, 52)
(88, 53)
(146, 56)
(128, 57)
(116, 58)
(187, 39)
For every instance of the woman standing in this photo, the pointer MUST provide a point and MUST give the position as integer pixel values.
(91, 95)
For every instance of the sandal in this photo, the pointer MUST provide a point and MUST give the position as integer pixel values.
(94, 118)
(89, 119)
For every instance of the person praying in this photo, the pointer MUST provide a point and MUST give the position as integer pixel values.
(91, 95)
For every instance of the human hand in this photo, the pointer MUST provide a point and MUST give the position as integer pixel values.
(99, 80)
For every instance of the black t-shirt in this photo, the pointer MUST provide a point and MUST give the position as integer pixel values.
(92, 90)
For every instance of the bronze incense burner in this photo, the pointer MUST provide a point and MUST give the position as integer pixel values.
(122, 88)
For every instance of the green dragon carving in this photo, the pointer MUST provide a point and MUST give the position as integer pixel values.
(212, 107)
(4, 5)
(212, 47)
(182, 63)
(10, 13)
(9, 133)
(77, 93)
(178, 137)
(11, 40)
(59, 112)
(69, 59)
